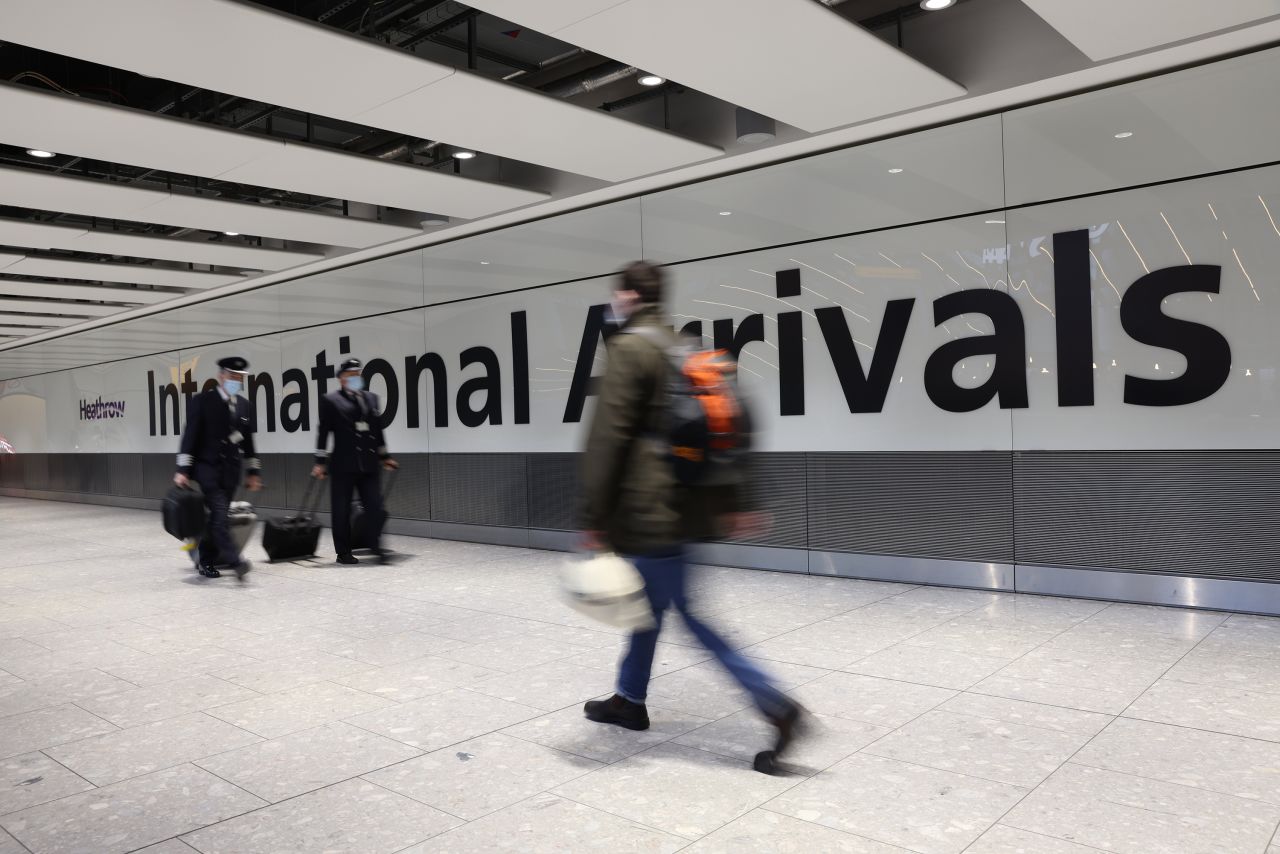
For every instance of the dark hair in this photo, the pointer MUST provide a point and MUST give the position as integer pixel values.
(645, 279)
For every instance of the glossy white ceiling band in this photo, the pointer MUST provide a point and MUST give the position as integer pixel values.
(252, 52)
(24, 188)
(102, 293)
(135, 274)
(1105, 29)
(43, 235)
(85, 128)
(38, 307)
(793, 60)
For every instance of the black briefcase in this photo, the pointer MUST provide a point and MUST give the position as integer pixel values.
(184, 512)
(362, 526)
(294, 537)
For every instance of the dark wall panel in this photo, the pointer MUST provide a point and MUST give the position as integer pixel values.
(553, 491)
(124, 474)
(777, 486)
(410, 496)
(1209, 513)
(480, 489)
(954, 505)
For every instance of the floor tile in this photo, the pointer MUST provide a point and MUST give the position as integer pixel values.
(824, 741)
(116, 756)
(34, 778)
(547, 824)
(76, 686)
(922, 809)
(677, 789)
(1096, 699)
(354, 817)
(307, 760)
(1229, 669)
(667, 657)
(415, 679)
(570, 731)
(282, 674)
(984, 637)
(274, 715)
(942, 668)
(517, 653)
(477, 777)
(1057, 718)
(170, 846)
(48, 727)
(171, 667)
(68, 660)
(129, 815)
(1010, 840)
(443, 719)
(884, 702)
(547, 686)
(1134, 815)
(1243, 767)
(980, 747)
(764, 832)
(166, 700)
(1235, 711)
(1183, 622)
(829, 644)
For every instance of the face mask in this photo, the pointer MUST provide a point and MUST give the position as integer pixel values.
(355, 383)
(232, 387)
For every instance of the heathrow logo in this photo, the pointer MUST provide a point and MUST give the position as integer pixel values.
(101, 410)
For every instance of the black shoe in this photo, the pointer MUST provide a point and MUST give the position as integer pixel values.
(788, 725)
(618, 710)
(347, 558)
(242, 569)
(210, 572)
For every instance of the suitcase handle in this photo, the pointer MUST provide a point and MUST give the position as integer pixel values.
(391, 482)
(310, 503)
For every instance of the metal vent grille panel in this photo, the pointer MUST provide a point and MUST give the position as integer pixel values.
(480, 489)
(941, 504)
(274, 494)
(157, 474)
(124, 474)
(89, 473)
(35, 471)
(11, 468)
(554, 491)
(411, 496)
(777, 485)
(1207, 513)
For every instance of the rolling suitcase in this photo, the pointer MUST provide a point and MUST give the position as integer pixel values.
(184, 512)
(361, 531)
(240, 522)
(295, 537)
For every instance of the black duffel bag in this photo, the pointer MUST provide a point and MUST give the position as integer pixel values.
(184, 512)
(297, 536)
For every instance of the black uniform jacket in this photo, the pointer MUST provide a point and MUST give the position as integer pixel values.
(355, 421)
(215, 441)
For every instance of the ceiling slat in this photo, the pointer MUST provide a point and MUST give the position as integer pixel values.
(82, 309)
(44, 235)
(1105, 29)
(85, 128)
(136, 274)
(26, 188)
(102, 293)
(36, 322)
(251, 52)
(793, 60)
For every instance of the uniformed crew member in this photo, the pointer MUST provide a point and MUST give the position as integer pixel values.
(216, 442)
(359, 454)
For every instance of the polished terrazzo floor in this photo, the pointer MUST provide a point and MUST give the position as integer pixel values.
(434, 706)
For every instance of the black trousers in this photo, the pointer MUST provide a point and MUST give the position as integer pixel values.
(342, 485)
(217, 548)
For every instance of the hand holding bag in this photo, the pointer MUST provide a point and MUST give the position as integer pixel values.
(608, 589)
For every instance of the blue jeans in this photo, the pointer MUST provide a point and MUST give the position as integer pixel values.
(664, 582)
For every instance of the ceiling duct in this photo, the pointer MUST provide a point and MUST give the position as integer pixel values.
(596, 78)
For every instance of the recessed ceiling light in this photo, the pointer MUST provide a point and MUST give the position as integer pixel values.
(894, 171)
(484, 262)
(1124, 134)
(726, 213)
(995, 222)
(38, 152)
(231, 233)
(936, 5)
(463, 154)
(652, 80)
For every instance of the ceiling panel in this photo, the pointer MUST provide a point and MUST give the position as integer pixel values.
(28, 320)
(552, 15)
(1104, 28)
(102, 293)
(294, 63)
(18, 331)
(794, 60)
(43, 235)
(489, 115)
(8, 259)
(82, 309)
(25, 188)
(84, 128)
(137, 274)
